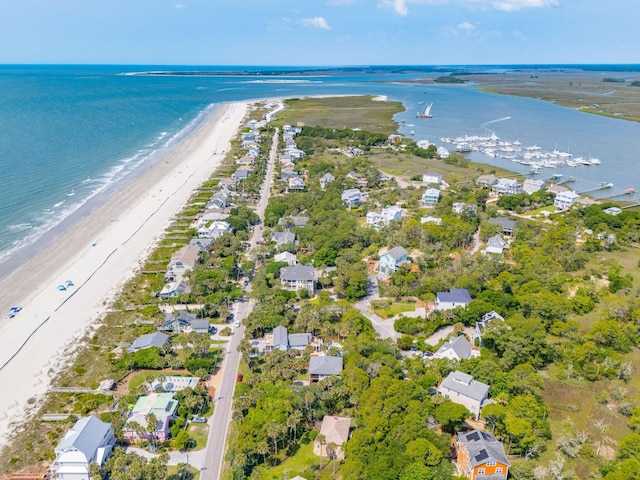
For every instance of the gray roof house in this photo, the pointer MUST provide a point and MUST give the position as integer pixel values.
(392, 260)
(481, 454)
(455, 297)
(462, 389)
(88, 441)
(174, 289)
(323, 366)
(283, 237)
(351, 197)
(458, 348)
(496, 244)
(298, 277)
(148, 340)
(283, 340)
(177, 323)
(507, 224)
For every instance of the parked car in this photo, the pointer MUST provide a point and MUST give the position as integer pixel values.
(240, 377)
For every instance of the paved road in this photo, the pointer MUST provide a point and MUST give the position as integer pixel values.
(383, 327)
(219, 423)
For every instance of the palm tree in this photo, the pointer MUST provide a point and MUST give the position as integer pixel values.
(332, 451)
(152, 425)
(321, 439)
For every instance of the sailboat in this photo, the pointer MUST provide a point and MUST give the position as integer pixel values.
(426, 113)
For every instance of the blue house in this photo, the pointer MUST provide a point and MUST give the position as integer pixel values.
(392, 260)
(431, 196)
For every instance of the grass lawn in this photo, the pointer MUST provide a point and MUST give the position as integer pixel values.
(200, 434)
(173, 472)
(302, 463)
(394, 309)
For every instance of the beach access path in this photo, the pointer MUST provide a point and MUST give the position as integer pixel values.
(98, 253)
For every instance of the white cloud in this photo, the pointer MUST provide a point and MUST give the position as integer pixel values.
(316, 22)
(399, 6)
(180, 6)
(466, 28)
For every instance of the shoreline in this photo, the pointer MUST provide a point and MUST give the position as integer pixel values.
(36, 344)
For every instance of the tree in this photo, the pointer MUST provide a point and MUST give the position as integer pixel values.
(451, 415)
(332, 450)
(321, 439)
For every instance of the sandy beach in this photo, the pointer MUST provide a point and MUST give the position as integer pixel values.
(35, 344)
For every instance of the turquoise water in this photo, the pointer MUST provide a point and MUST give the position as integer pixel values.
(69, 132)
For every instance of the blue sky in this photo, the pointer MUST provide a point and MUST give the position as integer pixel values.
(319, 32)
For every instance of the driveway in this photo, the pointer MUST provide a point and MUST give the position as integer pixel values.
(382, 326)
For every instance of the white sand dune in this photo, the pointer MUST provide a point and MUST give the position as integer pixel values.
(36, 343)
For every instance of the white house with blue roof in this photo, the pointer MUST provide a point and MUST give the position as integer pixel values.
(455, 297)
(392, 260)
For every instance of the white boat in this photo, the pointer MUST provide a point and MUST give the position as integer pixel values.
(426, 113)
(595, 161)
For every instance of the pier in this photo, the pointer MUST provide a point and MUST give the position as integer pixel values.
(558, 180)
(602, 186)
(628, 191)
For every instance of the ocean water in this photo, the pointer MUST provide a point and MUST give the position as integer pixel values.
(68, 133)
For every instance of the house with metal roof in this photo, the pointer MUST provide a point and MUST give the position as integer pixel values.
(335, 430)
(323, 366)
(157, 339)
(392, 260)
(162, 406)
(532, 185)
(430, 197)
(480, 456)
(457, 348)
(496, 244)
(462, 389)
(88, 441)
(298, 277)
(455, 297)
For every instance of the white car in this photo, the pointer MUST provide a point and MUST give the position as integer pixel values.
(237, 323)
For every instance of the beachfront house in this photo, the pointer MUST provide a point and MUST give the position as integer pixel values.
(431, 178)
(162, 406)
(351, 197)
(392, 260)
(430, 197)
(148, 340)
(507, 186)
(565, 199)
(88, 441)
(334, 430)
(462, 389)
(532, 185)
(288, 257)
(480, 456)
(455, 297)
(181, 262)
(298, 277)
(507, 225)
(174, 289)
(496, 244)
(214, 230)
(183, 321)
(324, 366)
(457, 348)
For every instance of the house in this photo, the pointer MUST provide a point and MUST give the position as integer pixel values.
(496, 244)
(565, 199)
(532, 185)
(385, 217)
(480, 456)
(323, 366)
(246, 160)
(486, 181)
(326, 178)
(177, 323)
(461, 207)
(288, 257)
(612, 211)
(201, 243)
(429, 178)
(241, 173)
(462, 389)
(486, 318)
(457, 349)
(283, 340)
(298, 277)
(88, 441)
(507, 186)
(351, 197)
(174, 289)
(282, 238)
(430, 197)
(394, 138)
(430, 219)
(173, 384)
(148, 340)
(455, 297)
(506, 224)
(392, 260)
(162, 406)
(215, 230)
(182, 261)
(296, 221)
(295, 153)
(296, 184)
(335, 430)
(219, 200)
(200, 325)
(443, 152)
